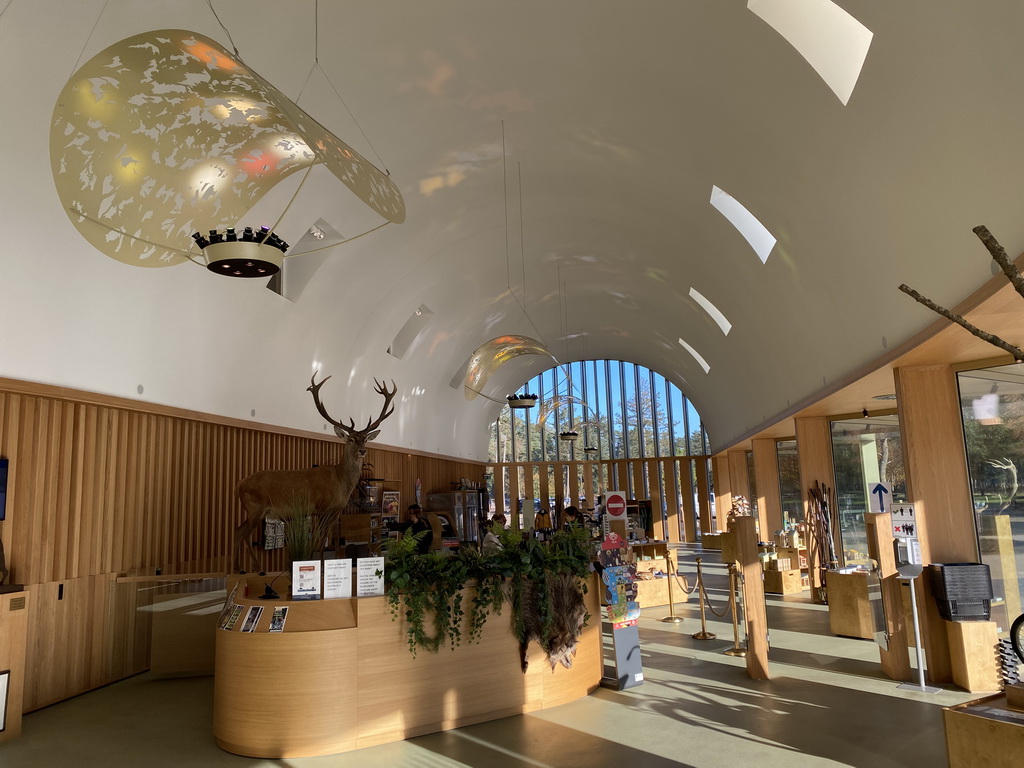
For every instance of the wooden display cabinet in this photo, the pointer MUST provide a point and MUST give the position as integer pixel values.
(985, 732)
(783, 582)
(656, 556)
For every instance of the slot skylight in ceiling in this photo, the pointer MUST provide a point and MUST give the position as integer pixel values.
(755, 233)
(712, 310)
(696, 356)
(833, 42)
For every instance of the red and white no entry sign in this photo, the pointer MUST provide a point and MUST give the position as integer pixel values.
(616, 504)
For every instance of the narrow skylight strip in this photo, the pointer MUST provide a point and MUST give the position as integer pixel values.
(712, 310)
(696, 356)
(833, 42)
(755, 233)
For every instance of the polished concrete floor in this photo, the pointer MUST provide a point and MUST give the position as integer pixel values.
(827, 704)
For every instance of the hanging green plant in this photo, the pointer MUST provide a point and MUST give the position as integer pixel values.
(542, 581)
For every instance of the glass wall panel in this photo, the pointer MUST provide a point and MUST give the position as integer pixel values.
(865, 452)
(992, 405)
(621, 410)
(789, 481)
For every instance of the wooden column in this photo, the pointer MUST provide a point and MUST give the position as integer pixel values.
(513, 497)
(723, 492)
(769, 496)
(814, 457)
(559, 485)
(722, 495)
(938, 486)
(499, 490)
(895, 660)
(673, 501)
(588, 483)
(528, 495)
(754, 615)
(654, 479)
(739, 478)
(574, 484)
(688, 510)
(545, 480)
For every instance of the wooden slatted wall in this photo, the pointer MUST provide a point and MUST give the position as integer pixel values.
(100, 486)
(654, 479)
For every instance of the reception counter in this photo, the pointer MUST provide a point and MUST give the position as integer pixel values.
(340, 677)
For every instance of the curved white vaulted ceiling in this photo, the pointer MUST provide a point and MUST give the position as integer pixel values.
(619, 123)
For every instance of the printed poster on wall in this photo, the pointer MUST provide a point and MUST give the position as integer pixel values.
(368, 583)
(306, 580)
(337, 578)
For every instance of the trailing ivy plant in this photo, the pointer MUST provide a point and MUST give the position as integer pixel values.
(533, 577)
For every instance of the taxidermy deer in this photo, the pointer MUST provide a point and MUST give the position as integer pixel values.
(328, 488)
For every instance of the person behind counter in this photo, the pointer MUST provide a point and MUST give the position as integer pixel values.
(571, 517)
(491, 542)
(420, 525)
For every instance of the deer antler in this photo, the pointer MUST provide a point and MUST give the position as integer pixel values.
(385, 411)
(315, 389)
(350, 428)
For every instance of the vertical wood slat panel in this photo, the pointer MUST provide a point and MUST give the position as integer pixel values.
(686, 489)
(673, 500)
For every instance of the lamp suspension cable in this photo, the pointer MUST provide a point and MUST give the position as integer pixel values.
(226, 32)
(87, 39)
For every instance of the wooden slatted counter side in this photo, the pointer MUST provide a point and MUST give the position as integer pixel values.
(341, 677)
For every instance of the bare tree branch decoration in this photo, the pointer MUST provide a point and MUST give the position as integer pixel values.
(1012, 274)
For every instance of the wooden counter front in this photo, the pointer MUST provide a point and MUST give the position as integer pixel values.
(305, 692)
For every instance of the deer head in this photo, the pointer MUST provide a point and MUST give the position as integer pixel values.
(356, 438)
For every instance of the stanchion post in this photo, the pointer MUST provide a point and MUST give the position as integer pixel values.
(737, 649)
(701, 597)
(671, 618)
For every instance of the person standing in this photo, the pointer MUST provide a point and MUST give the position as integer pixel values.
(419, 526)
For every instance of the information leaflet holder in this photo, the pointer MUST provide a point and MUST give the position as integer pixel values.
(623, 610)
(907, 550)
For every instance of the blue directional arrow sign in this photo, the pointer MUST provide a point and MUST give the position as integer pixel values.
(878, 500)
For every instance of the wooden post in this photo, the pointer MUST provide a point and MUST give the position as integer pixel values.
(688, 510)
(513, 498)
(754, 615)
(588, 483)
(814, 455)
(654, 481)
(673, 501)
(703, 495)
(895, 660)
(769, 496)
(723, 492)
(939, 487)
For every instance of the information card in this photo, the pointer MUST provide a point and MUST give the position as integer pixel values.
(306, 580)
(368, 583)
(337, 578)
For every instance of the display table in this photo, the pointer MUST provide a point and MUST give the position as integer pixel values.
(985, 732)
(340, 677)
